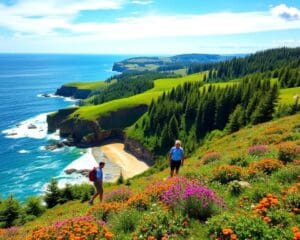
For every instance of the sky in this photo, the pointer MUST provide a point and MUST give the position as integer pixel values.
(148, 26)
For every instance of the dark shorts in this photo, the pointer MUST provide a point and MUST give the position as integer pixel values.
(175, 165)
(98, 187)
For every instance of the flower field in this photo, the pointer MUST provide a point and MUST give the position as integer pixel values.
(245, 185)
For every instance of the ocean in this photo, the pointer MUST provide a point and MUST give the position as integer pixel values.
(25, 165)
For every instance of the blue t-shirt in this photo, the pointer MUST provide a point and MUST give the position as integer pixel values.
(176, 153)
(99, 174)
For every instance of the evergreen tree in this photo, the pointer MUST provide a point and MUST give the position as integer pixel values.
(53, 194)
(9, 212)
(34, 206)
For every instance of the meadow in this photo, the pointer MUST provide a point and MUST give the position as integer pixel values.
(244, 185)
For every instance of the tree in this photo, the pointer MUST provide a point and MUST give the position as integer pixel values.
(34, 206)
(236, 120)
(9, 212)
(53, 194)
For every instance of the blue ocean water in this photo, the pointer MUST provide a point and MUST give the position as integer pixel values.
(25, 166)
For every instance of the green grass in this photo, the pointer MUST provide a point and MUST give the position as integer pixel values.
(88, 85)
(287, 95)
(160, 85)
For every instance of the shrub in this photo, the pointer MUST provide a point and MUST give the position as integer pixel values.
(161, 224)
(225, 174)
(139, 201)
(288, 151)
(118, 195)
(288, 174)
(9, 233)
(211, 157)
(125, 221)
(278, 217)
(85, 227)
(229, 226)
(267, 202)
(102, 211)
(258, 150)
(235, 188)
(34, 206)
(267, 166)
(10, 211)
(191, 197)
(239, 161)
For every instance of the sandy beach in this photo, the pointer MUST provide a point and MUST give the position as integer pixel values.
(115, 152)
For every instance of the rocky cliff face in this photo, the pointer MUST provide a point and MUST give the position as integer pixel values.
(82, 132)
(54, 120)
(69, 91)
(139, 151)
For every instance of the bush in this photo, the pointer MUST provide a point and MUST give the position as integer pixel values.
(287, 175)
(225, 174)
(267, 166)
(125, 221)
(53, 194)
(230, 226)
(161, 224)
(278, 217)
(192, 198)
(102, 211)
(288, 151)
(34, 207)
(258, 150)
(235, 188)
(239, 161)
(10, 210)
(118, 195)
(85, 227)
(211, 157)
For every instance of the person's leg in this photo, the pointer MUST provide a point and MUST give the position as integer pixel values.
(172, 167)
(177, 167)
(94, 196)
(101, 194)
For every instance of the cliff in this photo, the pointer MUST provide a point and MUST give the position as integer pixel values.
(84, 132)
(74, 92)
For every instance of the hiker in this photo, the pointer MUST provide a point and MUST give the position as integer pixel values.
(98, 183)
(176, 157)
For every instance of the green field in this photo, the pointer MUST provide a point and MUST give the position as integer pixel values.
(88, 85)
(287, 96)
(160, 85)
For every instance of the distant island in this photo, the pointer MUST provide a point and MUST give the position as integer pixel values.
(168, 63)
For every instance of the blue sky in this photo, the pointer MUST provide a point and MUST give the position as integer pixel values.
(148, 26)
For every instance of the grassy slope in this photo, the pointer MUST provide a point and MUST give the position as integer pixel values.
(287, 95)
(229, 146)
(87, 85)
(160, 85)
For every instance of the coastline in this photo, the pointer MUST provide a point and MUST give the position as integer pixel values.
(115, 153)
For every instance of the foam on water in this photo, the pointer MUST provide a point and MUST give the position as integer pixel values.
(35, 127)
(23, 151)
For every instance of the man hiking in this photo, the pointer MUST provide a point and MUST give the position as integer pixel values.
(176, 157)
(98, 183)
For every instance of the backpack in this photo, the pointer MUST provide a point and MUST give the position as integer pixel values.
(92, 174)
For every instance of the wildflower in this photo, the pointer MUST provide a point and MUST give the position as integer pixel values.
(227, 231)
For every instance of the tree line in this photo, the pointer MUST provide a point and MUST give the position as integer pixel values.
(260, 62)
(190, 111)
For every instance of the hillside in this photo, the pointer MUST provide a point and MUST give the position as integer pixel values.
(166, 63)
(250, 179)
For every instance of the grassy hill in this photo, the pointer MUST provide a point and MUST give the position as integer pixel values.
(253, 176)
(88, 85)
(160, 85)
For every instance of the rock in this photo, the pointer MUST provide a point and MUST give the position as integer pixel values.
(56, 145)
(31, 126)
(70, 91)
(70, 171)
(12, 134)
(139, 151)
(244, 184)
(47, 95)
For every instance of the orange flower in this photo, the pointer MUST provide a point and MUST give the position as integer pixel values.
(267, 219)
(295, 229)
(297, 236)
(233, 237)
(108, 235)
(227, 231)
(150, 238)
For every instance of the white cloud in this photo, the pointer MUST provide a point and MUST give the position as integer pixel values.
(141, 2)
(285, 12)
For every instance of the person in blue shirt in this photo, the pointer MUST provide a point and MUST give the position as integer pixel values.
(98, 183)
(176, 157)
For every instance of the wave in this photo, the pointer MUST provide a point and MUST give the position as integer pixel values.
(52, 95)
(35, 127)
(23, 151)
